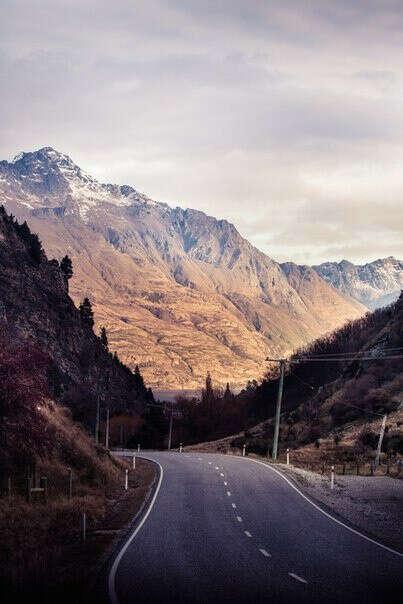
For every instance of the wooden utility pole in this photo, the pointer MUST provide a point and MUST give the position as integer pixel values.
(278, 410)
(381, 435)
(107, 431)
(170, 429)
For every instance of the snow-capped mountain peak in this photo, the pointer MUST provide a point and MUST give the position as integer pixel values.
(48, 178)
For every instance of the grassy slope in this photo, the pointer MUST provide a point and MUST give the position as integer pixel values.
(41, 551)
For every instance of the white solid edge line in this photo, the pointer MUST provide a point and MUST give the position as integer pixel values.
(234, 505)
(229, 493)
(294, 576)
(112, 573)
(225, 483)
(389, 549)
(239, 518)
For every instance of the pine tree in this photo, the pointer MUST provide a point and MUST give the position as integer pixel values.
(86, 313)
(66, 266)
(228, 396)
(104, 338)
(208, 393)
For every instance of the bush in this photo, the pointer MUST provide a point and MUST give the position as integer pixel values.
(369, 438)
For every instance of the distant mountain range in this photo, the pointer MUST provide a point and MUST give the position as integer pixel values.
(178, 291)
(374, 284)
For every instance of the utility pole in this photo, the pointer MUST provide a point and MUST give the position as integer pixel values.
(170, 429)
(97, 413)
(278, 410)
(107, 430)
(381, 435)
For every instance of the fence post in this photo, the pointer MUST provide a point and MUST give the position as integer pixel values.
(70, 478)
(372, 467)
(28, 483)
(243, 451)
(84, 526)
(288, 457)
(358, 468)
(134, 461)
(9, 487)
(344, 468)
(126, 479)
(332, 478)
(323, 468)
(44, 485)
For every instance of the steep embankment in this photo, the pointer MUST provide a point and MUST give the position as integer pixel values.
(35, 309)
(334, 397)
(179, 292)
(49, 354)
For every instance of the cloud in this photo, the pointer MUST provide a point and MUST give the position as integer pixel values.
(284, 118)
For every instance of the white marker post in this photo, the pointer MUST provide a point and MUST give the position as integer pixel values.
(126, 479)
(288, 457)
(138, 447)
(84, 526)
(180, 448)
(134, 461)
(332, 478)
(243, 450)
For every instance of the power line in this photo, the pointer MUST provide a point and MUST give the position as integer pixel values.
(345, 353)
(343, 359)
(302, 381)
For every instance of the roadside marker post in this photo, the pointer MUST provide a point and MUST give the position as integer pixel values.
(126, 479)
(138, 447)
(134, 461)
(332, 478)
(180, 448)
(243, 451)
(288, 457)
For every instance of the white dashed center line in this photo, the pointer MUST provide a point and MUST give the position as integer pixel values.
(221, 474)
(265, 553)
(239, 518)
(225, 483)
(229, 493)
(209, 463)
(234, 506)
(297, 578)
(217, 468)
(247, 533)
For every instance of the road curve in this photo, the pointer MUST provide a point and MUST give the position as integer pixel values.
(226, 529)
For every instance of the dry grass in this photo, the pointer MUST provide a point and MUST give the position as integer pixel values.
(42, 554)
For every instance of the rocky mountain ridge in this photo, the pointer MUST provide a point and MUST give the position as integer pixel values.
(179, 292)
(374, 284)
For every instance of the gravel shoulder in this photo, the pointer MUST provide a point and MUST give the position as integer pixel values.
(371, 504)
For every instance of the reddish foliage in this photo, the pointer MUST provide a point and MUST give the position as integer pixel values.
(23, 388)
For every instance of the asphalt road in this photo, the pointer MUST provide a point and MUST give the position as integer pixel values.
(226, 529)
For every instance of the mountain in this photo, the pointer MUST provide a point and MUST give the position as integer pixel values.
(178, 291)
(374, 284)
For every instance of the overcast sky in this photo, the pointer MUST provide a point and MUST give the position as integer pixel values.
(285, 117)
